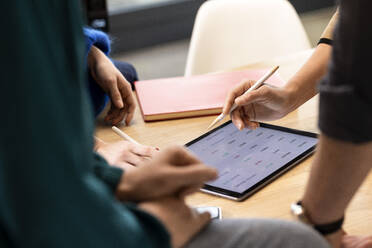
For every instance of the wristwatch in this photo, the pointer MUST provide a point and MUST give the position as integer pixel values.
(300, 213)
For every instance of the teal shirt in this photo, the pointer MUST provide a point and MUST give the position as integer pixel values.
(54, 192)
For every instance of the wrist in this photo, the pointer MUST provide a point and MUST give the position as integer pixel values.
(299, 91)
(94, 57)
(320, 213)
(325, 228)
(292, 98)
(91, 61)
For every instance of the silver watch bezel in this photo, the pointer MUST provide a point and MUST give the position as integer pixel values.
(299, 212)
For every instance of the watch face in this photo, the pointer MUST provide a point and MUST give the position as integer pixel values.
(299, 212)
(296, 209)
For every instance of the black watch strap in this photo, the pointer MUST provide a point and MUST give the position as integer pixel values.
(325, 41)
(328, 228)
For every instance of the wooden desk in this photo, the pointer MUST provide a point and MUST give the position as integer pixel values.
(273, 201)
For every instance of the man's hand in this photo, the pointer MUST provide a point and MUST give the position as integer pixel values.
(114, 84)
(263, 104)
(125, 154)
(181, 221)
(172, 172)
(351, 241)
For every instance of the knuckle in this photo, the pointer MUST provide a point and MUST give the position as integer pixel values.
(126, 153)
(121, 85)
(251, 82)
(127, 85)
(115, 93)
(110, 80)
(249, 97)
(237, 88)
(137, 159)
(178, 153)
(230, 97)
(131, 109)
(124, 85)
(148, 150)
(175, 149)
(265, 90)
(242, 99)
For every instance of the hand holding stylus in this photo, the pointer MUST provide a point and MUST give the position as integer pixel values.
(241, 90)
(263, 104)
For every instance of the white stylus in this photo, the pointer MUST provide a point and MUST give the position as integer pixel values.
(124, 135)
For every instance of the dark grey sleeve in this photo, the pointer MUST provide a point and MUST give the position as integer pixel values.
(345, 109)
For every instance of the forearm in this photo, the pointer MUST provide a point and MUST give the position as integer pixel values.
(97, 46)
(303, 85)
(338, 170)
(329, 30)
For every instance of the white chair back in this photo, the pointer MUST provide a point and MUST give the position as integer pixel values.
(233, 33)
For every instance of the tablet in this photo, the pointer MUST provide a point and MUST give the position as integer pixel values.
(247, 160)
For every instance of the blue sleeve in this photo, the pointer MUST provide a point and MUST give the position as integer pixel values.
(98, 39)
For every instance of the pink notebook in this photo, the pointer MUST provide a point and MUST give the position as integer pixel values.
(172, 98)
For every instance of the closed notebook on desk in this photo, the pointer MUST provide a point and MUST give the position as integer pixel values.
(171, 98)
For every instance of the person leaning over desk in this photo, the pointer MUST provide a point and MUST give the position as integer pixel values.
(51, 194)
(343, 157)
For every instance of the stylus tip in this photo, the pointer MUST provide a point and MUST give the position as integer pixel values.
(211, 125)
(214, 122)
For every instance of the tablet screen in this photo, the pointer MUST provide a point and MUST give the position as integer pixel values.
(245, 158)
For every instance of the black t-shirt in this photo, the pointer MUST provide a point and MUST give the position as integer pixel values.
(346, 92)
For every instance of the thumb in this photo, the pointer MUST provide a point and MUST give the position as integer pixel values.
(178, 156)
(194, 175)
(257, 95)
(189, 190)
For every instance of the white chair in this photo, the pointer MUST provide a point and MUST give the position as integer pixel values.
(233, 33)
